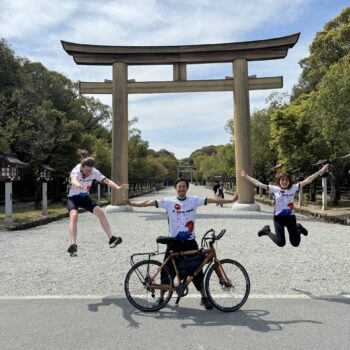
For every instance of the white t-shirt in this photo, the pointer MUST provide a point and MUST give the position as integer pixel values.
(181, 215)
(84, 180)
(284, 199)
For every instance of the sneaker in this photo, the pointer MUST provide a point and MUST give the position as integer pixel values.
(264, 231)
(114, 241)
(72, 250)
(206, 303)
(302, 230)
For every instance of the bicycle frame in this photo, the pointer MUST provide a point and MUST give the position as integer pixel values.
(211, 257)
(155, 278)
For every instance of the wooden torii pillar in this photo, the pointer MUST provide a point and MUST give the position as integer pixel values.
(119, 57)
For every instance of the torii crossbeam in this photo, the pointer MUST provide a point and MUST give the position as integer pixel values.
(238, 53)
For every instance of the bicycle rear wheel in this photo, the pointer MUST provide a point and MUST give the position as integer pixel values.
(138, 288)
(227, 296)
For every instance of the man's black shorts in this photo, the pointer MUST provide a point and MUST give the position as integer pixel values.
(76, 202)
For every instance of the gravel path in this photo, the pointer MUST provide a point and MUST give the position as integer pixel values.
(35, 262)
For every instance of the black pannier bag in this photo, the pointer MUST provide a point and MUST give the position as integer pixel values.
(188, 264)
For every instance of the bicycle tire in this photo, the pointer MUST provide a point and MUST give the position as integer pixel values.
(223, 297)
(137, 291)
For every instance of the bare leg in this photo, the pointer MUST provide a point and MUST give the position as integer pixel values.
(72, 228)
(103, 220)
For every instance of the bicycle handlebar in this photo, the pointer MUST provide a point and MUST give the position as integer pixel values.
(213, 237)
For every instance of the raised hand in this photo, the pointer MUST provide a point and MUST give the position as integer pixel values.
(125, 194)
(243, 173)
(325, 168)
(81, 186)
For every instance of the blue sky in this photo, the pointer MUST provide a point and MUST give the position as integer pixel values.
(181, 123)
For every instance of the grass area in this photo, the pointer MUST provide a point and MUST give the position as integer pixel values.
(30, 214)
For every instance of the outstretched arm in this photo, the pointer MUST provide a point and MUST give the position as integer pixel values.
(74, 182)
(254, 181)
(112, 184)
(313, 176)
(145, 203)
(219, 200)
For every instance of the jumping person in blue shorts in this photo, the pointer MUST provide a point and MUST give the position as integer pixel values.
(284, 215)
(81, 179)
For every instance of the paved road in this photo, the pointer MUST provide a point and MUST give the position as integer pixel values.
(299, 295)
(111, 323)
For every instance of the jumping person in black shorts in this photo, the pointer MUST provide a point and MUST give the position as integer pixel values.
(81, 179)
(284, 207)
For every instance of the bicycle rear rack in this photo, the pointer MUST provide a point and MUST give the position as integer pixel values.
(150, 254)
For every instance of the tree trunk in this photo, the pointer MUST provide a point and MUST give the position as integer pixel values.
(57, 189)
(313, 191)
(37, 195)
(332, 182)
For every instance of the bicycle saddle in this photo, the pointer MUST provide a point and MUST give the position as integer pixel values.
(165, 240)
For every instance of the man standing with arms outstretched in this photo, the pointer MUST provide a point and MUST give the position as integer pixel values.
(181, 212)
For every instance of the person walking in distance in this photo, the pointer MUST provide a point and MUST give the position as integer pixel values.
(81, 178)
(220, 193)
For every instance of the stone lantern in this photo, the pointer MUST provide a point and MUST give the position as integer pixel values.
(44, 176)
(320, 164)
(9, 165)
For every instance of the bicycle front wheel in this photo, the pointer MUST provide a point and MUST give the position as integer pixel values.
(231, 294)
(138, 285)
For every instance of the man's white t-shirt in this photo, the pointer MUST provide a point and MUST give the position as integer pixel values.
(84, 180)
(181, 215)
(284, 199)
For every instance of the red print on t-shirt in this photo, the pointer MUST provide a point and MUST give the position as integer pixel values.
(177, 206)
(190, 225)
(291, 206)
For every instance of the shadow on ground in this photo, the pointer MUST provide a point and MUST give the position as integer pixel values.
(338, 298)
(192, 317)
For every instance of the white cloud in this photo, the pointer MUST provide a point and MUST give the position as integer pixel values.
(35, 28)
(28, 18)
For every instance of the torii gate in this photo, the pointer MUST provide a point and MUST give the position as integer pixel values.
(119, 57)
(186, 169)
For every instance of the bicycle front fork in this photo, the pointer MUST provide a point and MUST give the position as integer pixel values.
(223, 279)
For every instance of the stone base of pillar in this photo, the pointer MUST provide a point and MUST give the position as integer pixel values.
(9, 220)
(118, 208)
(246, 206)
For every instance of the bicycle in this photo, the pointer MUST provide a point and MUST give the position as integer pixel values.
(226, 281)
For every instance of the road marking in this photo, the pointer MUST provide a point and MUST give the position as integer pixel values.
(190, 296)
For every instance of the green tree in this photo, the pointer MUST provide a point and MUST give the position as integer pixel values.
(330, 110)
(263, 155)
(328, 47)
(138, 157)
(290, 136)
(9, 68)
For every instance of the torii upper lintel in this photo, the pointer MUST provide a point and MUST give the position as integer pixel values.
(206, 53)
